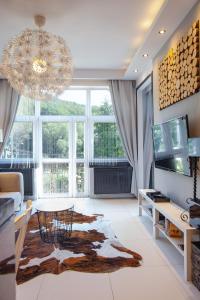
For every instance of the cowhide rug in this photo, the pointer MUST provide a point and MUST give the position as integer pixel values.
(92, 247)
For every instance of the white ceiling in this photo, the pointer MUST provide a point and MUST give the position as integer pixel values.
(106, 37)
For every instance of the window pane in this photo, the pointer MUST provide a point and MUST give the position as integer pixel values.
(69, 103)
(7, 151)
(20, 143)
(80, 139)
(107, 143)
(55, 140)
(101, 103)
(80, 177)
(55, 178)
(26, 107)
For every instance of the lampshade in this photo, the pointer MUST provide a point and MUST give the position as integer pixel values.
(37, 64)
(194, 147)
(1, 135)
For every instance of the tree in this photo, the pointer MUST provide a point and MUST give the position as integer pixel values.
(55, 142)
(107, 142)
(62, 108)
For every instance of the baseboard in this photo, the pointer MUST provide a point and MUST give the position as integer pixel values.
(112, 196)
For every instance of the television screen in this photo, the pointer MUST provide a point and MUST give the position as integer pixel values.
(170, 141)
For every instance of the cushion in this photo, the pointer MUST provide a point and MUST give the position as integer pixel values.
(16, 196)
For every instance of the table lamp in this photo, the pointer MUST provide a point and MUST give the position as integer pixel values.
(194, 154)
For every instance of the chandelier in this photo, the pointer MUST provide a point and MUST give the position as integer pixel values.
(37, 63)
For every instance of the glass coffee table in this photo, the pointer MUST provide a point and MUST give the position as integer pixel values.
(55, 218)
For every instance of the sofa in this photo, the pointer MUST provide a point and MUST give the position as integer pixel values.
(12, 186)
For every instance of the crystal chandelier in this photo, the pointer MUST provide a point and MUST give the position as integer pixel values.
(37, 63)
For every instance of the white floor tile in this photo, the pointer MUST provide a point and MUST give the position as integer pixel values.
(128, 229)
(149, 252)
(193, 292)
(146, 283)
(120, 205)
(116, 216)
(30, 289)
(76, 286)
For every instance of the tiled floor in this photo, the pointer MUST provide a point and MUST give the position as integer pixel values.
(159, 278)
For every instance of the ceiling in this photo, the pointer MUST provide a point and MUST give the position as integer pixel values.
(107, 38)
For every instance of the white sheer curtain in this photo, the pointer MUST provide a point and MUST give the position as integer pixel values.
(9, 101)
(123, 94)
(108, 149)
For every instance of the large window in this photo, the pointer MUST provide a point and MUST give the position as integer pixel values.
(20, 143)
(63, 136)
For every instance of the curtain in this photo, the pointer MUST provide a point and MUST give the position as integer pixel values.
(147, 141)
(123, 94)
(9, 101)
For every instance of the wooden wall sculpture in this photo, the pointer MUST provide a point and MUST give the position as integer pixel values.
(179, 70)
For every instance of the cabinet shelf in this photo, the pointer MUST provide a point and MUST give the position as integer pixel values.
(148, 210)
(168, 211)
(175, 241)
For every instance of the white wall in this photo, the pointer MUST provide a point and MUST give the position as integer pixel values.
(178, 187)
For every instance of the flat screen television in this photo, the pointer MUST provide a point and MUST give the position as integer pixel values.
(170, 140)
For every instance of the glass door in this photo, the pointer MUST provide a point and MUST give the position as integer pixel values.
(55, 158)
(63, 159)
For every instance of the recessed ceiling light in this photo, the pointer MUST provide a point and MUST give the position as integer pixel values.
(145, 55)
(162, 31)
(136, 70)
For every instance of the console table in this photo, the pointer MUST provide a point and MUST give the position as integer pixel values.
(172, 213)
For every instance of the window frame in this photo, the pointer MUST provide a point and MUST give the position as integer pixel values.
(89, 120)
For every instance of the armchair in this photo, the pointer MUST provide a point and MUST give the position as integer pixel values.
(12, 186)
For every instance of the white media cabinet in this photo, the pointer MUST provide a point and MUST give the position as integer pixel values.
(171, 212)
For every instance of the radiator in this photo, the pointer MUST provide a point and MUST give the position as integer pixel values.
(106, 180)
